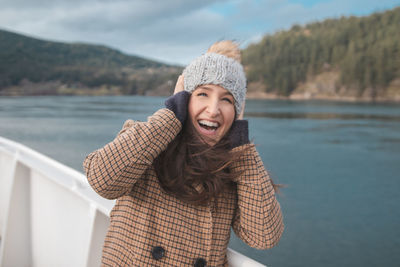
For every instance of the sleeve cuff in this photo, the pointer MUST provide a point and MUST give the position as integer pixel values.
(239, 133)
(178, 103)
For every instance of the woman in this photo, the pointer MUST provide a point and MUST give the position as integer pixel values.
(187, 175)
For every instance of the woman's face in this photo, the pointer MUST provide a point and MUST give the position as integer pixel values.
(212, 112)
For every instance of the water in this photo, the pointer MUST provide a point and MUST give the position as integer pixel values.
(339, 161)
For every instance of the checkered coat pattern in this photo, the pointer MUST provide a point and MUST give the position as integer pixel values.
(152, 228)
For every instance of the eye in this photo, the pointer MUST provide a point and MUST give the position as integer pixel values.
(227, 99)
(201, 94)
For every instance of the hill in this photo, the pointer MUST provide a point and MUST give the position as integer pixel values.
(351, 58)
(32, 66)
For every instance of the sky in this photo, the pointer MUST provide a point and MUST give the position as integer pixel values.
(170, 31)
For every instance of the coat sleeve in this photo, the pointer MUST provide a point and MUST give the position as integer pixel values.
(258, 219)
(115, 168)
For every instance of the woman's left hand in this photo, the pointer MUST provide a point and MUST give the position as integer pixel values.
(242, 112)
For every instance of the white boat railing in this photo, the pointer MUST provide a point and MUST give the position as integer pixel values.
(50, 216)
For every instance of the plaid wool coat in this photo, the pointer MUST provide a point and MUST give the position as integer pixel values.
(152, 228)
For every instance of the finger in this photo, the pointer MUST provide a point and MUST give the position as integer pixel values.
(241, 115)
(179, 85)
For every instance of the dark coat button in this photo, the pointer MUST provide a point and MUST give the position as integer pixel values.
(158, 252)
(200, 262)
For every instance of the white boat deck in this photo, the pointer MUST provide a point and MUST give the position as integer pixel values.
(50, 216)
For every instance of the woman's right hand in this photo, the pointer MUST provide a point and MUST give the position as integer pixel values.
(178, 102)
(179, 87)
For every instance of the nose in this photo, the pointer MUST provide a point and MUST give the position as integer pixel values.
(213, 108)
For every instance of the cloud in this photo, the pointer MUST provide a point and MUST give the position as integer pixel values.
(173, 31)
(269, 16)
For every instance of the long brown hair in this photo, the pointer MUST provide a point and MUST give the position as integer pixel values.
(194, 171)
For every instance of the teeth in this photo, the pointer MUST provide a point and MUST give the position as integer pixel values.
(209, 123)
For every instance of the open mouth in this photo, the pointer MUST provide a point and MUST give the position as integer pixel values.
(208, 125)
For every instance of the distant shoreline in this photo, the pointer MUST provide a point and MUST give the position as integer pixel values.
(297, 97)
(250, 95)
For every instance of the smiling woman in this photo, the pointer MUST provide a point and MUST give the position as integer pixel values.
(187, 175)
(211, 111)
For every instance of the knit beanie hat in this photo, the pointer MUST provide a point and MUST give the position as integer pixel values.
(218, 69)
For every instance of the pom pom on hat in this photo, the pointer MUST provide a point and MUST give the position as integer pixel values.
(226, 48)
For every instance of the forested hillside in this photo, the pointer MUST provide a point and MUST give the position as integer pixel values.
(350, 58)
(356, 57)
(33, 66)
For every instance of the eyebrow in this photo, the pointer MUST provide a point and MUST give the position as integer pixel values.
(205, 87)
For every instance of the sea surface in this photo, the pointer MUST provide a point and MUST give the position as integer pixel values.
(340, 163)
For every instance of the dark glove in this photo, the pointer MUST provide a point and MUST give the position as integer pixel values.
(239, 133)
(178, 103)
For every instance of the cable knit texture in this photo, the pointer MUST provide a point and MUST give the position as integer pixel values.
(212, 68)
